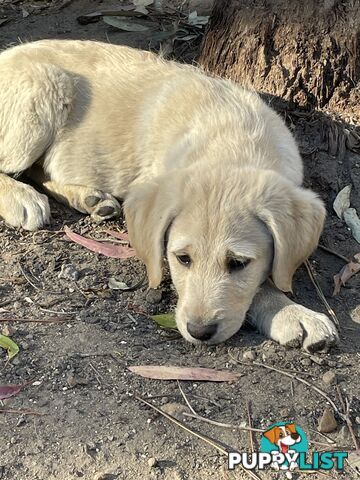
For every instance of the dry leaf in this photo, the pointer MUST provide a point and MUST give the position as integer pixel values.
(124, 11)
(342, 201)
(142, 3)
(113, 251)
(346, 272)
(9, 345)
(128, 25)
(353, 222)
(120, 235)
(158, 372)
(118, 285)
(7, 391)
(195, 19)
(165, 320)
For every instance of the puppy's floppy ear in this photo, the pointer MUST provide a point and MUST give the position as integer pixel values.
(272, 435)
(149, 209)
(295, 217)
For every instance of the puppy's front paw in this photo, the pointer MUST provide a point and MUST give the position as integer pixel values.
(299, 326)
(22, 206)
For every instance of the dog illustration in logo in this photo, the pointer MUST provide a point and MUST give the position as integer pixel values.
(283, 437)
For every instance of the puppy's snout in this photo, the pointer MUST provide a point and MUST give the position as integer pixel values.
(202, 332)
(295, 436)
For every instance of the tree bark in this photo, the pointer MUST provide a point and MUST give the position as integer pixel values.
(305, 52)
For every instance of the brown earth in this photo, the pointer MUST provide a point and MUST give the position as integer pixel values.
(91, 426)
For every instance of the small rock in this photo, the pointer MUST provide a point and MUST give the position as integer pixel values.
(73, 380)
(332, 363)
(249, 355)
(318, 360)
(154, 296)
(105, 476)
(7, 331)
(286, 413)
(329, 378)
(175, 409)
(344, 436)
(355, 314)
(357, 420)
(306, 362)
(88, 282)
(69, 272)
(20, 422)
(327, 422)
(152, 462)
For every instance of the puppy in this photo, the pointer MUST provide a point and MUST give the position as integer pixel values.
(209, 174)
(283, 437)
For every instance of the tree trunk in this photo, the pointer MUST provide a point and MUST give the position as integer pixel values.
(306, 52)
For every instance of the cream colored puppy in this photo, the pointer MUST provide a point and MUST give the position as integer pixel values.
(210, 175)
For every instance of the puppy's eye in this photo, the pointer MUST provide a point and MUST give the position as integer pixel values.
(184, 260)
(281, 435)
(235, 265)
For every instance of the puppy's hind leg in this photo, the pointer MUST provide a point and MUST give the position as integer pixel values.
(99, 205)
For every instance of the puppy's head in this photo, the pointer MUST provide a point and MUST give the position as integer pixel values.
(226, 232)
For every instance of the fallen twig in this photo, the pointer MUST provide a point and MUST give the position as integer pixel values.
(185, 399)
(346, 416)
(223, 425)
(290, 375)
(24, 320)
(352, 468)
(327, 438)
(201, 436)
(251, 438)
(21, 412)
(333, 252)
(320, 293)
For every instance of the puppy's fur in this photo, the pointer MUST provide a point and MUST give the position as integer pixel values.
(198, 160)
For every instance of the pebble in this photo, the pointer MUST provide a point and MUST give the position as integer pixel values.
(105, 476)
(327, 422)
(175, 409)
(357, 420)
(249, 355)
(7, 331)
(73, 380)
(152, 462)
(69, 272)
(344, 436)
(286, 413)
(318, 360)
(154, 296)
(306, 362)
(21, 422)
(329, 378)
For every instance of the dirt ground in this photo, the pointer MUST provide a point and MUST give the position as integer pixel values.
(88, 423)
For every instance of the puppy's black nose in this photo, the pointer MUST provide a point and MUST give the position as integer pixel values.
(201, 331)
(295, 436)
